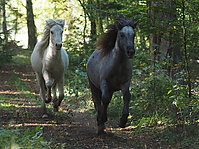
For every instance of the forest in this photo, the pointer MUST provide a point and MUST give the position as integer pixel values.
(164, 106)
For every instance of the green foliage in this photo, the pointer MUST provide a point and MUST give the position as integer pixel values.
(78, 51)
(16, 138)
(5, 55)
(186, 136)
(158, 98)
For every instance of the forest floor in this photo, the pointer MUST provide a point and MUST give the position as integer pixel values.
(72, 128)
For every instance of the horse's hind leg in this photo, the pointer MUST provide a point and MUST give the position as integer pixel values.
(57, 102)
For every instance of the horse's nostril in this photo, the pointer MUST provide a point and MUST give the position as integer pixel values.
(131, 52)
(58, 46)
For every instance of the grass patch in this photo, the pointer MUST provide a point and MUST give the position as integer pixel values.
(184, 135)
(16, 138)
(22, 57)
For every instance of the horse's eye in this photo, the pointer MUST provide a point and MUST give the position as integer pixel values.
(51, 32)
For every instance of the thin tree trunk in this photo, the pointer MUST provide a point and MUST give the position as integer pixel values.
(32, 38)
(4, 23)
(100, 26)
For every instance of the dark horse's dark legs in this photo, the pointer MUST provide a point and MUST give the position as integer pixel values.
(125, 112)
(105, 99)
(101, 101)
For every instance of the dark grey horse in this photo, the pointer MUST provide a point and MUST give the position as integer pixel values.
(109, 69)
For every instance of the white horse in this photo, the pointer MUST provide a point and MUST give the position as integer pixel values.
(50, 61)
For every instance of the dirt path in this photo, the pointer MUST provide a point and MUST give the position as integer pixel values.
(71, 128)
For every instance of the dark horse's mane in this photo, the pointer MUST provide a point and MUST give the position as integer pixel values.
(107, 41)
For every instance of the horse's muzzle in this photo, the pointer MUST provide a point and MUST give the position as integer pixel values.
(58, 46)
(130, 53)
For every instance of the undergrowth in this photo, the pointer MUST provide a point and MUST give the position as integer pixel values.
(17, 138)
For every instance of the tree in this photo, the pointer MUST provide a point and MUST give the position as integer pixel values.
(32, 38)
(164, 42)
(89, 10)
(4, 24)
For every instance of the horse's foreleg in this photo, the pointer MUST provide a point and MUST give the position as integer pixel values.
(106, 98)
(125, 112)
(42, 93)
(49, 83)
(54, 98)
(48, 95)
(57, 103)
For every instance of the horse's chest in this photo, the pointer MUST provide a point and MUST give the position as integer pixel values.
(119, 76)
(55, 69)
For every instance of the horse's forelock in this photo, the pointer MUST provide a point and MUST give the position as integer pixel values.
(60, 22)
(50, 23)
(121, 22)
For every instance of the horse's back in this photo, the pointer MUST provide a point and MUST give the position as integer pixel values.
(36, 59)
(92, 67)
(94, 59)
(65, 59)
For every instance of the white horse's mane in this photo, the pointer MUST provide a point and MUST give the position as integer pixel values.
(43, 44)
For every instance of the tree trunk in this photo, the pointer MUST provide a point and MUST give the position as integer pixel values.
(4, 23)
(90, 12)
(162, 45)
(32, 38)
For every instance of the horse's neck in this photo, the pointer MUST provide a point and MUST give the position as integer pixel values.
(118, 54)
(52, 52)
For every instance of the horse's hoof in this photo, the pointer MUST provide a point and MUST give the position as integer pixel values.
(44, 116)
(56, 104)
(54, 99)
(121, 125)
(55, 109)
(101, 129)
(48, 100)
(101, 132)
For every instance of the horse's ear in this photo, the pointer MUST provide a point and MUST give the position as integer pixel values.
(60, 22)
(63, 22)
(118, 25)
(121, 16)
(134, 24)
(49, 21)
